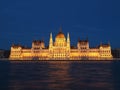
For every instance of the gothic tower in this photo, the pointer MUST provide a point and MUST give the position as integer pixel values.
(68, 42)
(50, 42)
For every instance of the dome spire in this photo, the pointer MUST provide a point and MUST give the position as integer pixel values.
(60, 34)
(60, 29)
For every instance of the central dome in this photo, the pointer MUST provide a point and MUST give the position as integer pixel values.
(60, 35)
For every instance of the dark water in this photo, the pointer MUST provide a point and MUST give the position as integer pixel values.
(60, 75)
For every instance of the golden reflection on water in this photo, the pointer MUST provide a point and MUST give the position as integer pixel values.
(60, 75)
(24, 76)
(61, 79)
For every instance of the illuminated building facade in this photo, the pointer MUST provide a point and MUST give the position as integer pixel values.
(60, 49)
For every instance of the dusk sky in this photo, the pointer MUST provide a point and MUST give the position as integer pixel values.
(22, 21)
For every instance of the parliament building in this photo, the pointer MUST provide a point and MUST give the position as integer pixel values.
(60, 49)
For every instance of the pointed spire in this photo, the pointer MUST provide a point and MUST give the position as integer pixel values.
(68, 34)
(51, 35)
(51, 41)
(68, 41)
(68, 37)
(60, 29)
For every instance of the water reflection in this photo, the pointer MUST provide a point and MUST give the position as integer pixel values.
(61, 75)
(91, 76)
(4, 70)
(28, 76)
(116, 74)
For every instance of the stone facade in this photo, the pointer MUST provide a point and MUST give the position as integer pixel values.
(60, 49)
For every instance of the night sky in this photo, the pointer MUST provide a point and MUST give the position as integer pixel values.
(22, 21)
